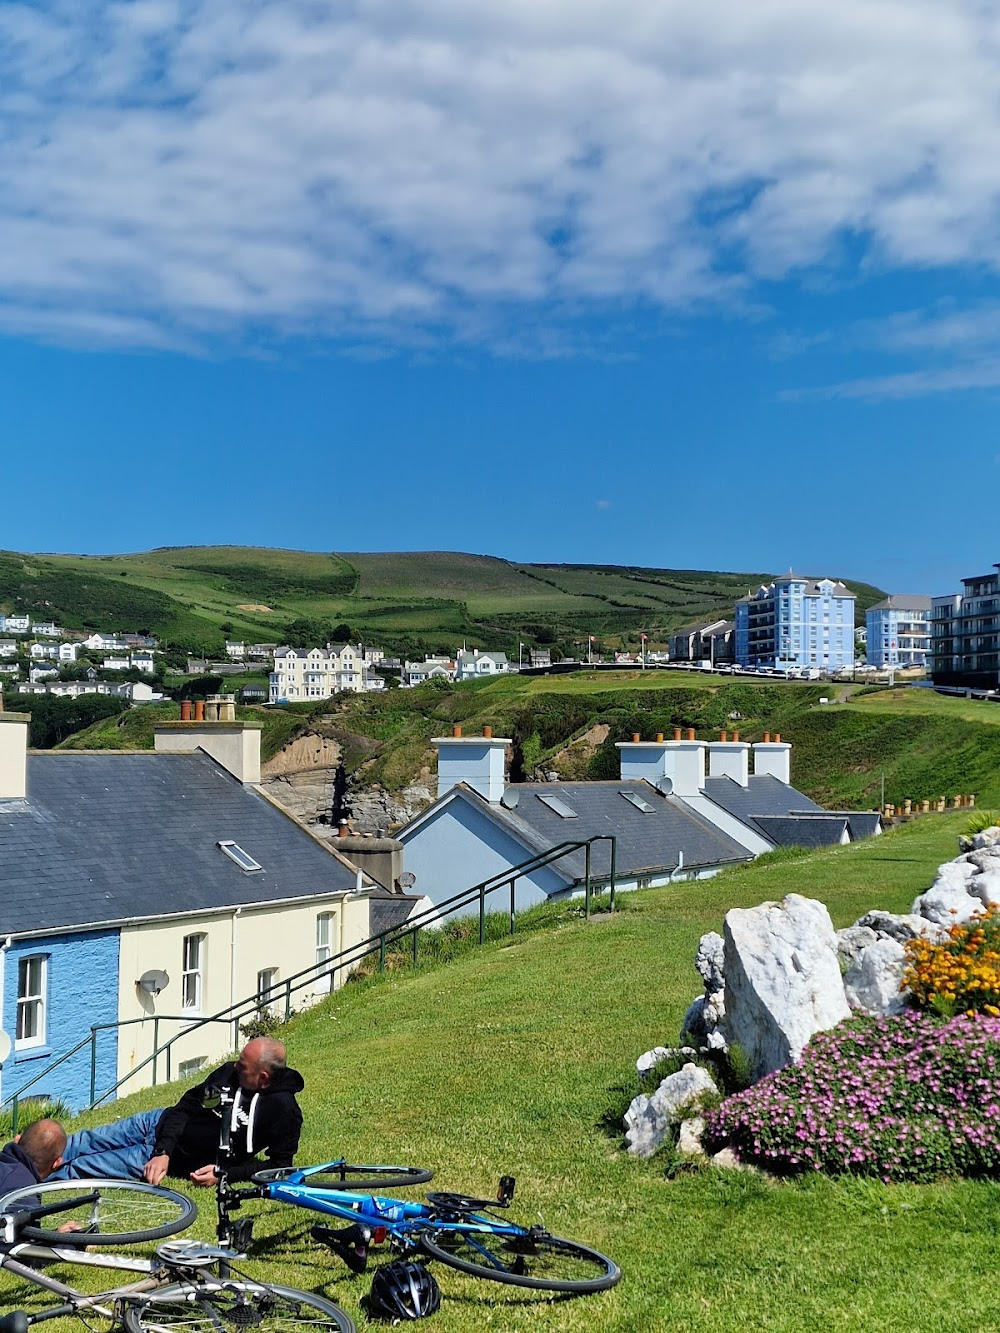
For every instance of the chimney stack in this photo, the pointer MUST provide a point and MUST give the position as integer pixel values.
(773, 758)
(234, 745)
(477, 761)
(14, 756)
(682, 761)
(730, 759)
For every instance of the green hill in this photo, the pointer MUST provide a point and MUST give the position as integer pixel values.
(194, 597)
(922, 744)
(511, 1060)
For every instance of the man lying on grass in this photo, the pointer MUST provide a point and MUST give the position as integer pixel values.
(183, 1140)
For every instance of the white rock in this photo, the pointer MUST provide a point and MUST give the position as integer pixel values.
(853, 940)
(689, 1137)
(899, 928)
(702, 1019)
(987, 859)
(989, 837)
(946, 903)
(709, 960)
(648, 1059)
(728, 1160)
(872, 982)
(783, 981)
(986, 888)
(648, 1120)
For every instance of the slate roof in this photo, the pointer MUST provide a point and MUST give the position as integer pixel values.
(903, 601)
(647, 842)
(824, 830)
(763, 795)
(110, 837)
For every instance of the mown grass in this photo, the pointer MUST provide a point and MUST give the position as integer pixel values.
(504, 1061)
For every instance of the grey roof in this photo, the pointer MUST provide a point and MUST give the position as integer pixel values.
(107, 837)
(647, 842)
(388, 910)
(903, 601)
(763, 795)
(803, 830)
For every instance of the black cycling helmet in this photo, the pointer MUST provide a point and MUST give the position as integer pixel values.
(404, 1290)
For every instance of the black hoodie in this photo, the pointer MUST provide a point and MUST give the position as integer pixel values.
(189, 1132)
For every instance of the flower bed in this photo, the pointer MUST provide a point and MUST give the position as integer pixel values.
(959, 973)
(905, 1098)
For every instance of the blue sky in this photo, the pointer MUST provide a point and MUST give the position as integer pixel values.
(571, 280)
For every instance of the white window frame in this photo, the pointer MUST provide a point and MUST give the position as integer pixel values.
(193, 972)
(32, 1001)
(267, 995)
(324, 948)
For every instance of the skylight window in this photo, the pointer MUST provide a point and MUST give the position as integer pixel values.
(560, 807)
(635, 799)
(243, 859)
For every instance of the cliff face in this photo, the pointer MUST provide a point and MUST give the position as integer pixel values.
(301, 776)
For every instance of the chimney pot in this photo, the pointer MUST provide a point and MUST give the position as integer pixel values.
(185, 710)
(777, 738)
(690, 733)
(199, 710)
(342, 830)
(723, 736)
(635, 736)
(456, 730)
(736, 736)
(487, 733)
(677, 733)
(767, 738)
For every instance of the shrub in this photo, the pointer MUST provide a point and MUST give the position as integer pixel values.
(264, 1023)
(960, 973)
(905, 1098)
(979, 822)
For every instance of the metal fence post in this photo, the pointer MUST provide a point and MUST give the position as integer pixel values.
(288, 1000)
(587, 888)
(381, 953)
(614, 862)
(512, 906)
(156, 1045)
(415, 934)
(482, 914)
(15, 1107)
(93, 1064)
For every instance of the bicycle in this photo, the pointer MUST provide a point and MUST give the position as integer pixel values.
(456, 1229)
(176, 1287)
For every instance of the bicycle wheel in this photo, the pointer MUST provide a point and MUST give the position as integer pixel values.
(528, 1259)
(108, 1212)
(343, 1176)
(216, 1304)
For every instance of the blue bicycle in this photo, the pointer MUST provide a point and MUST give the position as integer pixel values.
(456, 1229)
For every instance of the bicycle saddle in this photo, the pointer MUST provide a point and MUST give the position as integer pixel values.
(189, 1254)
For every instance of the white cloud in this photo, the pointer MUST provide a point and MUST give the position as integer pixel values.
(266, 167)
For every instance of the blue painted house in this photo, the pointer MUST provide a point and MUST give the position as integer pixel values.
(113, 865)
(796, 622)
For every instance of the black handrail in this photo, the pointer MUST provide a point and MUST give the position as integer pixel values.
(349, 957)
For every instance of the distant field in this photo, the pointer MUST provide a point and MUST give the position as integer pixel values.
(194, 597)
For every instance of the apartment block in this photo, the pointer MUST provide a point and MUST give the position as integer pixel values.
(965, 634)
(796, 622)
(899, 631)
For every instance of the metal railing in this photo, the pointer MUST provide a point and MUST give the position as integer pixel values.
(280, 994)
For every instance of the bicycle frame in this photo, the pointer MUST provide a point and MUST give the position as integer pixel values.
(402, 1219)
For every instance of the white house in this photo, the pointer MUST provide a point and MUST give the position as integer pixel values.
(15, 624)
(107, 643)
(315, 673)
(672, 818)
(115, 664)
(143, 662)
(68, 652)
(46, 629)
(431, 668)
(8, 647)
(474, 664)
(41, 651)
(236, 650)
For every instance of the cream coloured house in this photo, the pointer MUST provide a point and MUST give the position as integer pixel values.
(315, 673)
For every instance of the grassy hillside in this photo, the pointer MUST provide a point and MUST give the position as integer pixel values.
(925, 745)
(509, 1061)
(195, 596)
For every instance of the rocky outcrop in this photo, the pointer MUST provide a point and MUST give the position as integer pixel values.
(874, 980)
(782, 980)
(650, 1119)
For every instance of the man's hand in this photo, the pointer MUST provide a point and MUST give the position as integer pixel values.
(155, 1169)
(70, 1226)
(205, 1176)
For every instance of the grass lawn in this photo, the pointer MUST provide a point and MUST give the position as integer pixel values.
(507, 1060)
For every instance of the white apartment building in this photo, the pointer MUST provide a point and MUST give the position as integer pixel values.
(315, 673)
(15, 624)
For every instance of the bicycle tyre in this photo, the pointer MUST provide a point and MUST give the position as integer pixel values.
(236, 1304)
(127, 1212)
(363, 1179)
(536, 1260)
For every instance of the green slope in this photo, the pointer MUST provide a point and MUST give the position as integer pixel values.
(192, 597)
(508, 1061)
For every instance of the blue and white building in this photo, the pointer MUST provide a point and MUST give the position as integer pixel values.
(796, 622)
(899, 631)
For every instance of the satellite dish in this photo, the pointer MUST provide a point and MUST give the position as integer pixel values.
(665, 786)
(4, 1045)
(509, 799)
(153, 981)
(407, 879)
